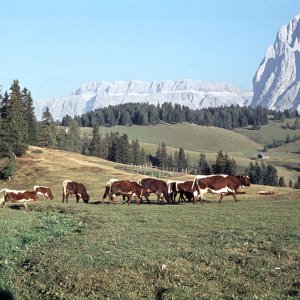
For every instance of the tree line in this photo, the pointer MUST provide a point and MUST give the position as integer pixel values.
(148, 114)
(18, 126)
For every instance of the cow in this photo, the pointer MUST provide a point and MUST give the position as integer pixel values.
(172, 189)
(157, 186)
(44, 191)
(125, 188)
(187, 189)
(107, 188)
(219, 184)
(16, 196)
(77, 188)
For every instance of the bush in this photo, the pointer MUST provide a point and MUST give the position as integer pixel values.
(8, 171)
(20, 149)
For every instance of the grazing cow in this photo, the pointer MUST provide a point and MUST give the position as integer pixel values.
(16, 196)
(77, 188)
(187, 189)
(125, 188)
(157, 186)
(219, 184)
(172, 189)
(44, 191)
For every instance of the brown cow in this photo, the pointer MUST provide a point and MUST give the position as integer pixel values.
(157, 186)
(16, 196)
(125, 188)
(219, 184)
(44, 191)
(187, 189)
(77, 188)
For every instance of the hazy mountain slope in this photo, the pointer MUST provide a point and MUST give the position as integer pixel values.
(191, 93)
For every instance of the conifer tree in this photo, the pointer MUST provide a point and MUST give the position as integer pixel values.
(181, 160)
(96, 142)
(29, 117)
(73, 138)
(219, 166)
(136, 151)
(281, 181)
(47, 132)
(203, 167)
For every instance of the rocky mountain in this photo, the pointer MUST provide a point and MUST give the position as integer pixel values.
(191, 93)
(276, 84)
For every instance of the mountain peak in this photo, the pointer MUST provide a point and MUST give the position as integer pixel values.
(276, 84)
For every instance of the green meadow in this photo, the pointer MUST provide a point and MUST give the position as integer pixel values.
(243, 250)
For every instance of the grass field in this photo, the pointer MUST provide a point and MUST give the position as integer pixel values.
(242, 144)
(244, 250)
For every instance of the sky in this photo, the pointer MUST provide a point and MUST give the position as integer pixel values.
(54, 46)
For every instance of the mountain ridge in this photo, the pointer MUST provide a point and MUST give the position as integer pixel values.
(192, 93)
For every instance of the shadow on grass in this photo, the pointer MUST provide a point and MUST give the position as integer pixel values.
(6, 295)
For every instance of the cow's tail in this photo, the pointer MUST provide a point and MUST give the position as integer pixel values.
(169, 184)
(196, 185)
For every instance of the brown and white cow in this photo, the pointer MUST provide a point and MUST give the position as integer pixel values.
(125, 188)
(157, 186)
(77, 188)
(17, 196)
(43, 191)
(219, 184)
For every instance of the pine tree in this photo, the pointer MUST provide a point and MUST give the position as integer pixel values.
(220, 165)
(272, 177)
(96, 142)
(29, 117)
(203, 166)
(18, 131)
(181, 161)
(47, 132)
(73, 138)
(281, 182)
(136, 149)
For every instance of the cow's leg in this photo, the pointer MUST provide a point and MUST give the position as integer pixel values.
(221, 197)
(77, 198)
(234, 196)
(63, 199)
(67, 195)
(25, 204)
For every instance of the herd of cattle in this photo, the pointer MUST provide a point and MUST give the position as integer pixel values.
(166, 191)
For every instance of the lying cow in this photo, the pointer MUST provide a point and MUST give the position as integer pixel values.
(43, 191)
(16, 196)
(219, 184)
(77, 188)
(157, 186)
(125, 188)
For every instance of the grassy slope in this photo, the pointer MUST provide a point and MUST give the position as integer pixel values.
(242, 144)
(275, 130)
(89, 251)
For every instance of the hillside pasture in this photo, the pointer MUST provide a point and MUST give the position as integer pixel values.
(243, 250)
(242, 144)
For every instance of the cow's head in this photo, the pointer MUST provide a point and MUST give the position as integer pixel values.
(51, 196)
(86, 198)
(244, 180)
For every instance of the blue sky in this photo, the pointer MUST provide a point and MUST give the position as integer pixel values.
(54, 46)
